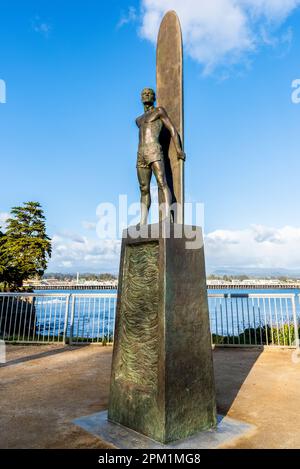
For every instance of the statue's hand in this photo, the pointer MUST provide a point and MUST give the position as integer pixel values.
(181, 155)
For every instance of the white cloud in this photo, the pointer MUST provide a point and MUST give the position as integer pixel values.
(69, 235)
(129, 17)
(256, 247)
(3, 217)
(40, 26)
(72, 253)
(221, 32)
(89, 225)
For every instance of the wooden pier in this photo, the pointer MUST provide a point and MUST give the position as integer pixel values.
(253, 286)
(74, 287)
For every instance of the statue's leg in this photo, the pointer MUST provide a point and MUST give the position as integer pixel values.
(158, 168)
(144, 177)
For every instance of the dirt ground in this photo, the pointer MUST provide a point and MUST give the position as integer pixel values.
(44, 388)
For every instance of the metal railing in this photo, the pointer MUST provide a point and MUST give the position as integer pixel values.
(92, 318)
(33, 317)
(254, 319)
(235, 319)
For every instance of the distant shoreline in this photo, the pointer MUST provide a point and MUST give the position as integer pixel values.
(210, 286)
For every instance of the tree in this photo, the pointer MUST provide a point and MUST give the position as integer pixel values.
(25, 247)
(242, 277)
(226, 278)
(2, 264)
(7, 272)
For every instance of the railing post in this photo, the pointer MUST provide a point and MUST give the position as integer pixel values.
(66, 318)
(72, 320)
(296, 333)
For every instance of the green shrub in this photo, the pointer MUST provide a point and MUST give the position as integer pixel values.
(283, 336)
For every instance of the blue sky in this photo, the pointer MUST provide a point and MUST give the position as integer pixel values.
(73, 73)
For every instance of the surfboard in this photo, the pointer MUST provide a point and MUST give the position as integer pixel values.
(169, 91)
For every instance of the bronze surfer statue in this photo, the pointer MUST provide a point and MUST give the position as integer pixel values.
(150, 157)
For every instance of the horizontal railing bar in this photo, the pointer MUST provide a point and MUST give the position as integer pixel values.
(63, 295)
(95, 295)
(46, 342)
(271, 295)
(251, 295)
(217, 295)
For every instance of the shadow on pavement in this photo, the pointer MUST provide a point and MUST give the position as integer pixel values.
(37, 356)
(231, 371)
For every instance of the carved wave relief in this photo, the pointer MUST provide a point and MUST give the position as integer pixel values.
(138, 334)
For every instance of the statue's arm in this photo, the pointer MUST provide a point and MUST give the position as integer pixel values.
(174, 134)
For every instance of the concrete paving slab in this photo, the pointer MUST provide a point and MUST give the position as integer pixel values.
(124, 438)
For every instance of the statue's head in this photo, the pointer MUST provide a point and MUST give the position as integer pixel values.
(148, 96)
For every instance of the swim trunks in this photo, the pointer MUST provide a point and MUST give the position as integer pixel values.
(149, 153)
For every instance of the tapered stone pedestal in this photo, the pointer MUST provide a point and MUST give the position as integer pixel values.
(162, 382)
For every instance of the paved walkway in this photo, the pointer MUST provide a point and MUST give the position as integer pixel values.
(43, 388)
